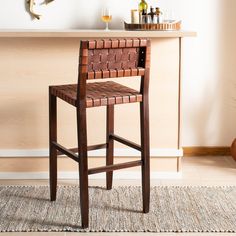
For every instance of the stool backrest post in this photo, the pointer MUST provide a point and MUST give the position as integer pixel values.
(145, 57)
(83, 73)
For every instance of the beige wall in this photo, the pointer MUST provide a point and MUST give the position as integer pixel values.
(209, 86)
(29, 66)
(209, 110)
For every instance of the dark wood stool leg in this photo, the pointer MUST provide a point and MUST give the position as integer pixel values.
(52, 149)
(145, 154)
(83, 165)
(110, 144)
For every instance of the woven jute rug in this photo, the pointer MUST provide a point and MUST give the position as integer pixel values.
(173, 209)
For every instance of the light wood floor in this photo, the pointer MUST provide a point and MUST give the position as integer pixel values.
(210, 171)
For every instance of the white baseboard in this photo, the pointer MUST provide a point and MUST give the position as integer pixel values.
(121, 152)
(74, 175)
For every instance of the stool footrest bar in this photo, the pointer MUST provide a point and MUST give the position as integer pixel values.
(66, 151)
(89, 148)
(114, 167)
(125, 142)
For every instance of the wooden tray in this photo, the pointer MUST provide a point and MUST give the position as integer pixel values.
(166, 25)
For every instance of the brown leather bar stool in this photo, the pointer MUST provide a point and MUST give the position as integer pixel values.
(108, 58)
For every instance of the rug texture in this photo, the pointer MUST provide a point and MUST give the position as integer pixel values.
(173, 209)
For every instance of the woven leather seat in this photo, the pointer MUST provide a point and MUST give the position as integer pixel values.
(98, 94)
(100, 59)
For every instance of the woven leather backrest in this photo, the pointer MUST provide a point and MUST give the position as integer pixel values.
(111, 58)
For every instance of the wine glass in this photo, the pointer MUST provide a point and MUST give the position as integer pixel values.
(106, 16)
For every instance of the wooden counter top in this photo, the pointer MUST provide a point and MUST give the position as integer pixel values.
(29, 33)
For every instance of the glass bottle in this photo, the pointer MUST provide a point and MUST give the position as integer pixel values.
(152, 14)
(144, 17)
(143, 6)
(159, 15)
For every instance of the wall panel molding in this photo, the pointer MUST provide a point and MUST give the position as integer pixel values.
(121, 152)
